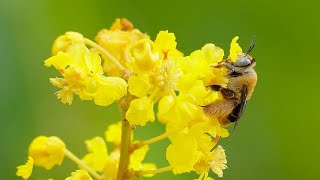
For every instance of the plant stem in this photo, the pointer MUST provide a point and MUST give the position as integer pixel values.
(147, 142)
(78, 161)
(105, 52)
(156, 171)
(124, 150)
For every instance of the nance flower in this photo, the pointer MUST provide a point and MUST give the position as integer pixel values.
(183, 153)
(117, 41)
(47, 151)
(79, 175)
(214, 160)
(25, 170)
(156, 74)
(83, 75)
(99, 160)
(98, 153)
(64, 41)
(235, 49)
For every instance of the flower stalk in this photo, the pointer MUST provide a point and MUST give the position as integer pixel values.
(147, 142)
(80, 163)
(106, 53)
(138, 174)
(124, 150)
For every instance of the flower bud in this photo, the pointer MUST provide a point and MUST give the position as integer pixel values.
(63, 41)
(145, 55)
(47, 151)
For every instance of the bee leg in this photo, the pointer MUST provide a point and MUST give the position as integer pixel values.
(237, 112)
(226, 93)
(215, 87)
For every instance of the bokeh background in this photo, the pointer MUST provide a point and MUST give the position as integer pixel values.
(278, 137)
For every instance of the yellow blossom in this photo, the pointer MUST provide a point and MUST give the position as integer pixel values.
(47, 151)
(165, 79)
(25, 170)
(113, 134)
(235, 49)
(140, 111)
(136, 159)
(108, 90)
(97, 155)
(111, 167)
(166, 41)
(145, 56)
(199, 62)
(215, 129)
(183, 153)
(83, 75)
(177, 112)
(63, 41)
(200, 131)
(139, 85)
(219, 161)
(118, 41)
(121, 24)
(79, 175)
(215, 160)
(196, 90)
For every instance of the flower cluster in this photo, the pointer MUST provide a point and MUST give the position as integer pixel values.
(126, 66)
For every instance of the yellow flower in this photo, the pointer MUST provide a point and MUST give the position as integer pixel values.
(121, 24)
(136, 159)
(139, 85)
(196, 90)
(183, 153)
(111, 167)
(98, 153)
(140, 111)
(108, 90)
(47, 151)
(215, 160)
(25, 170)
(164, 80)
(118, 41)
(177, 112)
(63, 41)
(200, 131)
(166, 41)
(199, 62)
(79, 175)
(219, 161)
(145, 56)
(83, 75)
(235, 49)
(113, 133)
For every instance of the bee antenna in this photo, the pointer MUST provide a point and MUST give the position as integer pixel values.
(251, 45)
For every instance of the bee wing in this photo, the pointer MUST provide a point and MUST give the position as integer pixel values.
(238, 110)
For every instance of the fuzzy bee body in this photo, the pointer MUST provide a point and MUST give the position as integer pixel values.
(242, 81)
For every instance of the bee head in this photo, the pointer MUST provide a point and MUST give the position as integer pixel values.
(244, 61)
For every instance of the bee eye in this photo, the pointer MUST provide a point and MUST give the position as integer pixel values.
(242, 62)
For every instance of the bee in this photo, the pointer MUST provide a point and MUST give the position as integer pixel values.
(242, 81)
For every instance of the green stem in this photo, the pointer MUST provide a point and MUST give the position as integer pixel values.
(80, 163)
(124, 150)
(105, 52)
(138, 174)
(140, 144)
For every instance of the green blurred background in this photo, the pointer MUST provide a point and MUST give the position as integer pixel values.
(278, 135)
